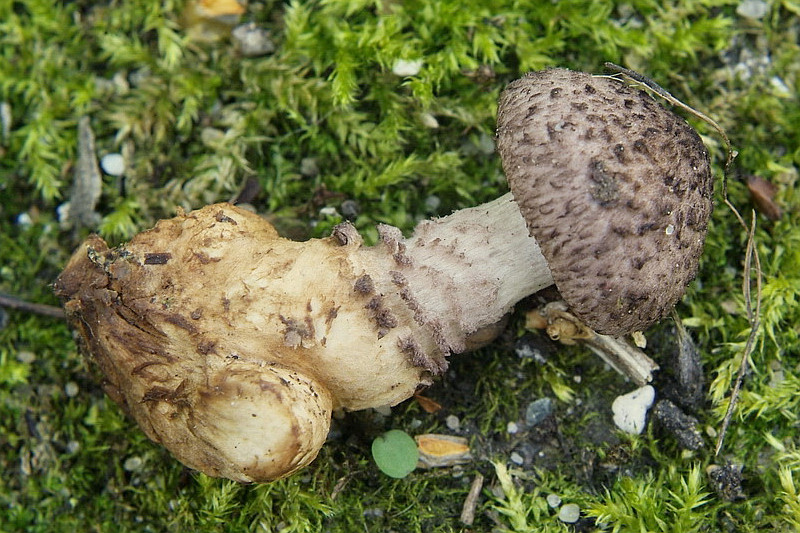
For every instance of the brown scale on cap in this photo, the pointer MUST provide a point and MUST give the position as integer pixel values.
(616, 189)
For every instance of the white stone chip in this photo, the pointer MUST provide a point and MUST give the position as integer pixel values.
(113, 164)
(630, 410)
(406, 67)
(553, 500)
(752, 9)
(569, 513)
(453, 422)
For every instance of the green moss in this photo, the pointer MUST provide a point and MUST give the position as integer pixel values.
(196, 121)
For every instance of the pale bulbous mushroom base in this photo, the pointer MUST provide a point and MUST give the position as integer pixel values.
(230, 345)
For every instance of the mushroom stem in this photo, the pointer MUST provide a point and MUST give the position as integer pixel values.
(460, 273)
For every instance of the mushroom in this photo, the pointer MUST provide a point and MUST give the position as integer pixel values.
(231, 346)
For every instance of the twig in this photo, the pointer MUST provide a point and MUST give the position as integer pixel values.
(753, 315)
(21, 305)
(468, 509)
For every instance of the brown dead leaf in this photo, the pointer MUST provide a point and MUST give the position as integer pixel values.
(762, 193)
(428, 405)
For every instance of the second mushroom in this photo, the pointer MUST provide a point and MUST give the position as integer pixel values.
(231, 346)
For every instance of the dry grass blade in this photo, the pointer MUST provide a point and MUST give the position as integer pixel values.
(751, 260)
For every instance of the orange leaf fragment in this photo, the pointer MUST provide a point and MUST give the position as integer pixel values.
(428, 405)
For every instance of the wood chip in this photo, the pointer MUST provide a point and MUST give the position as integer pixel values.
(468, 509)
(88, 181)
(442, 450)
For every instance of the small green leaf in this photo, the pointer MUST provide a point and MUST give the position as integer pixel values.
(395, 453)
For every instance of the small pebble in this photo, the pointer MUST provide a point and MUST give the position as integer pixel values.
(432, 203)
(26, 356)
(727, 481)
(537, 411)
(512, 428)
(5, 120)
(71, 389)
(516, 458)
(630, 410)
(682, 426)
(373, 513)
(113, 164)
(752, 9)
(453, 422)
(405, 67)
(24, 220)
(553, 500)
(429, 121)
(349, 209)
(569, 513)
(132, 464)
(73, 446)
(309, 167)
(252, 40)
(328, 211)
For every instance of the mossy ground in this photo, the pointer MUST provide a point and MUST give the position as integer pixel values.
(197, 121)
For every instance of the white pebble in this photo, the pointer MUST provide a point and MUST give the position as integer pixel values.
(429, 121)
(132, 464)
(24, 220)
(630, 410)
(512, 428)
(5, 120)
(71, 389)
(328, 211)
(113, 164)
(516, 458)
(26, 356)
(569, 513)
(752, 9)
(453, 422)
(253, 41)
(405, 67)
(553, 500)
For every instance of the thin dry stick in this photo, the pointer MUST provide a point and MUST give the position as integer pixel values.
(21, 305)
(468, 509)
(751, 254)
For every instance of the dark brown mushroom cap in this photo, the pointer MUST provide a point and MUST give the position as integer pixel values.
(616, 189)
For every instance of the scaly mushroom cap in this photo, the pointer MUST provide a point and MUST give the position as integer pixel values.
(616, 189)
